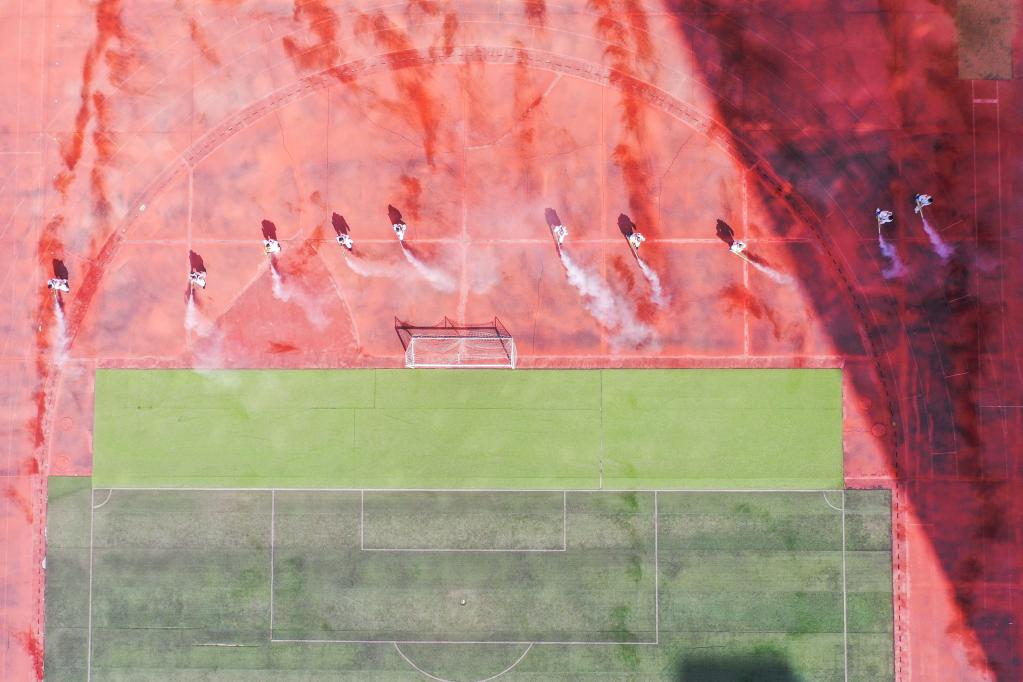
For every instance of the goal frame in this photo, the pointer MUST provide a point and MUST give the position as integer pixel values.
(458, 335)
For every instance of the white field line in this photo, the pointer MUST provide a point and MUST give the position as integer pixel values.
(454, 641)
(92, 523)
(273, 514)
(845, 601)
(441, 679)
(657, 618)
(475, 490)
(657, 577)
(564, 520)
(828, 502)
(499, 550)
(110, 493)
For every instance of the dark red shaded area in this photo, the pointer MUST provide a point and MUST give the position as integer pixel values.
(339, 224)
(269, 229)
(196, 262)
(394, 215)
(930, 339)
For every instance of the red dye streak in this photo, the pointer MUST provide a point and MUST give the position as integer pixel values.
(536, 11)
(35, 650)
(411, 83)
(62, 181)
(637, 182)
(738, 297)
(646, 311)
(50, 246)
(199, 38)
(427, 7)
(412, 192)
(20, 502)
(525, 135)
(624, 272)
(640, 31)
(450, 28)
(323, 24)
(630, 153)
(298, 263)
(108, 25)
(121, 64)
(277, 348)
(31, 467)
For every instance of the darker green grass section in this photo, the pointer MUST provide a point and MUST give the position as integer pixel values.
(747, 585)
(67, 577)
(539, 429)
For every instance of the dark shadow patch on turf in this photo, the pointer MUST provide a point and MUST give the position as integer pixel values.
(759, 666)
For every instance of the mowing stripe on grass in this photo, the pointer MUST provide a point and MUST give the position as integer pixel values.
(537, 429)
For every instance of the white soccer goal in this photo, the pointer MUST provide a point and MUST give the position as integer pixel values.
(450, 344)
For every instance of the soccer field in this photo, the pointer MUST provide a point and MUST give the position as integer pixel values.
(538, 429)
(221, 585)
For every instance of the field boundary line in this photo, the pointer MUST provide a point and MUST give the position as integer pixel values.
(273, 524)
(470, 490)
(845, 599)
(92, 525)
(456, 550)
(657, 576)
(564, 520)
(442, 679)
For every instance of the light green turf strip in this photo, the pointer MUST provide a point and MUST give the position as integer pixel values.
(533, 429)
(741, 428)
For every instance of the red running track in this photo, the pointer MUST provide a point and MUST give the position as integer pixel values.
(132, 133)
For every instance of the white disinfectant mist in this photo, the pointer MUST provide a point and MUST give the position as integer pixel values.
(438, 279)
(657, 294)
(888, 250)
(943, 250)
(614, 313)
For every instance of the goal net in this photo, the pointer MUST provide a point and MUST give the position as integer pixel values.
(450, 344)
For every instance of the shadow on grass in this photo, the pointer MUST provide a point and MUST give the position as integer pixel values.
(759, 666)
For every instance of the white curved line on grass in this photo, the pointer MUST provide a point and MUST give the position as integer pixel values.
(110, 493)
(828, 502)
(441, 679)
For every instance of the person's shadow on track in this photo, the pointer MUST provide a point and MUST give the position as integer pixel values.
(269, 230)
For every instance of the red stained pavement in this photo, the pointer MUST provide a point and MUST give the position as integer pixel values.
(132, 133)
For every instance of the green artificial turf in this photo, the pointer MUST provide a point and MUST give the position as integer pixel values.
(524, 429)
(673, 586)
